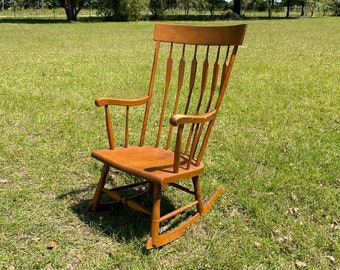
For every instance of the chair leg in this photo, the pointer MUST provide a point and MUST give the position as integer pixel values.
(156, 212)
(204, 208)
(98, 194)
(198, 194)
(156, 239)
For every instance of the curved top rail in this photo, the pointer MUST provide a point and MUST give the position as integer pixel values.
(189, 34)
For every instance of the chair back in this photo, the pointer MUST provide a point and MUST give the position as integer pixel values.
(190, 74)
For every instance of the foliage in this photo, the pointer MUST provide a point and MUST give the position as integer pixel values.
(187, 5)
(258, 5)
(173, 4)
(337, 7)
(121, 10)
(213, 5)
(275, 150)
(131, 10)
(157, 8)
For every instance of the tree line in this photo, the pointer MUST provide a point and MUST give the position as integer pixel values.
(133, 10)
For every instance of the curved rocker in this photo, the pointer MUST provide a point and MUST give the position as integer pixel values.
(157, 240)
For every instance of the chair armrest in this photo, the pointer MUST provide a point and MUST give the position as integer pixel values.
(121, 102)
(179, 119)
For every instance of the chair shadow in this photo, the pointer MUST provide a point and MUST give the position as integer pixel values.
(117, 221)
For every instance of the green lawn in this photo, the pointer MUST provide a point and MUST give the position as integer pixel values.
(279, 159)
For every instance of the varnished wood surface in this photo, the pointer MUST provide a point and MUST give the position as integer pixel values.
(153, 164)
(200, 35)
(192, 91)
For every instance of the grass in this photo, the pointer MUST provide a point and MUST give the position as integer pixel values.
(278, 160)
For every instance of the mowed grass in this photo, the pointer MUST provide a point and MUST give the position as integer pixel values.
(275, 150)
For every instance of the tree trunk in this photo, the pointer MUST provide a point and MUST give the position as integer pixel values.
(312, 10)
(287, 13)
(270, 4)
(212, 13)
(237, 7)
(303, 10)
(70, 15)
(72, 8)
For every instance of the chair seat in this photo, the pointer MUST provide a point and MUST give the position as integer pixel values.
(150, 163)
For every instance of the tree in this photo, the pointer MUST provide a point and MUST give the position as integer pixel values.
(214, 5)
(29, 4)
(270, 4)
(121, 10)
(200, 5)
(313, 5)
(288, 4)
(157, 8)
(135, 9)
(336, 7)
(2, 7)
(172, 4)
(187, 4)
(303, 4)
(72, 8)
(329, 5)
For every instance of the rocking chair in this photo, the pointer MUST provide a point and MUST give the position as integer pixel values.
(180, 110)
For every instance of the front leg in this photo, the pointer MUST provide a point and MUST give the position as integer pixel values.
(98, 194)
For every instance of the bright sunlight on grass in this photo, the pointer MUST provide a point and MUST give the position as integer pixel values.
(275, 150)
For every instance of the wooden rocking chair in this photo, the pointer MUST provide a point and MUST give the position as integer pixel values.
(185, 101)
